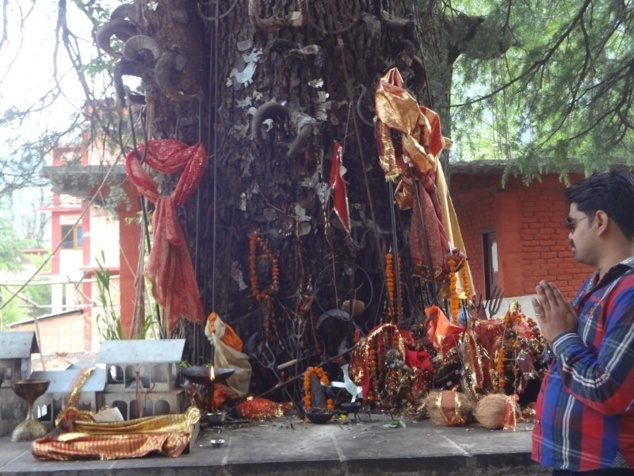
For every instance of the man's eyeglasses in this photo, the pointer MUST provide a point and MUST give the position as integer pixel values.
(571, 223)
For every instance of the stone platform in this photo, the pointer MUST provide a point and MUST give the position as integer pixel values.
(289, 446)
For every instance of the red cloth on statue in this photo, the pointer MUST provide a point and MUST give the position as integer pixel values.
(419, 359)
(169, 265)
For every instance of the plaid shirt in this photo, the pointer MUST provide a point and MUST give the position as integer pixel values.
(585, 416)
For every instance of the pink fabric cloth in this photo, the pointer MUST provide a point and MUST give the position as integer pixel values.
(435, 232)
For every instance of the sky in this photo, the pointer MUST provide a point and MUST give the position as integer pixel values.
(27, 60)
(27, 72)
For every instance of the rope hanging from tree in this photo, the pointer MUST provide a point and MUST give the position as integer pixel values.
(169, 266)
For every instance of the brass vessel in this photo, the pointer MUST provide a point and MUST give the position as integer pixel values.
(30, 429)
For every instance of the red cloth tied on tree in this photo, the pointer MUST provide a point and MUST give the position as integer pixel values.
(169, 265)
(338, 186)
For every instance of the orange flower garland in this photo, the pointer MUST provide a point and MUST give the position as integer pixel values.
(466, 282)
(255, 242)
(499, 369)
(400, 297)
(393, 300)
(391, 294)
(453, 286)
(539, 340)
(375, 348)
(323, 378)
(509, 320)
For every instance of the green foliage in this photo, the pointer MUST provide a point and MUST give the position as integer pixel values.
(400, 423)
(11, 256)
(564, 92)
(17, 310)
(12, 260)
(40, 295)
(109, 322)
(11, 312)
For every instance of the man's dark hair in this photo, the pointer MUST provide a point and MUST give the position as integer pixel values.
(612, 192)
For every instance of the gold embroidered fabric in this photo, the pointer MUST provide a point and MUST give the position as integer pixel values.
(409, 133)
(397, 109)
(166, 434)
(181, 422)
(74, 396)
(72, 446)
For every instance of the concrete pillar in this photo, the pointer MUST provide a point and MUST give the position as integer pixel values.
(129, 237)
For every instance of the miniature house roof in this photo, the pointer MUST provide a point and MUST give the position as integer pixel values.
(63, 381)
(141, 351)
(18, 345)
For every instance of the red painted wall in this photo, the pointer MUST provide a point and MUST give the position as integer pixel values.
(528, 221)
(129, 237)
(474, 201)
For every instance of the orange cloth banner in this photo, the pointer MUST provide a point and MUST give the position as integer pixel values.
(443, 334)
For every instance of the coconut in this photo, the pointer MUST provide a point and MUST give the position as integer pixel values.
(497, 411)
(448, 408)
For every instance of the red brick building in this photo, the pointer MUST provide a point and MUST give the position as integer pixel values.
(515, 235)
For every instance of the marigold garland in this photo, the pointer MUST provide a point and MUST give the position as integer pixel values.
(511, 318)
(400, 296)
(389, 277)
(255, 242)
(323, 378)
(538, 339)
(453, 286)
(394, 309)
(466, 282)
(383, 387)
(499, 368)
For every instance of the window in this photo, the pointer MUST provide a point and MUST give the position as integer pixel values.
(490, 251)
(72, 237)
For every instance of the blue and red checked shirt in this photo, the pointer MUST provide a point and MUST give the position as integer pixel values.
(585, 416)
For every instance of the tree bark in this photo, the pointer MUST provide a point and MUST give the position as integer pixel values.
(306, 71)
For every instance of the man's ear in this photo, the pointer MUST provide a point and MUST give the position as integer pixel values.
(602, 220)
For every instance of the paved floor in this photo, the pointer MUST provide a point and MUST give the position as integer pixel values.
(288, 446)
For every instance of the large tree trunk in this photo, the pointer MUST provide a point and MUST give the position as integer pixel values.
(323, 67)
